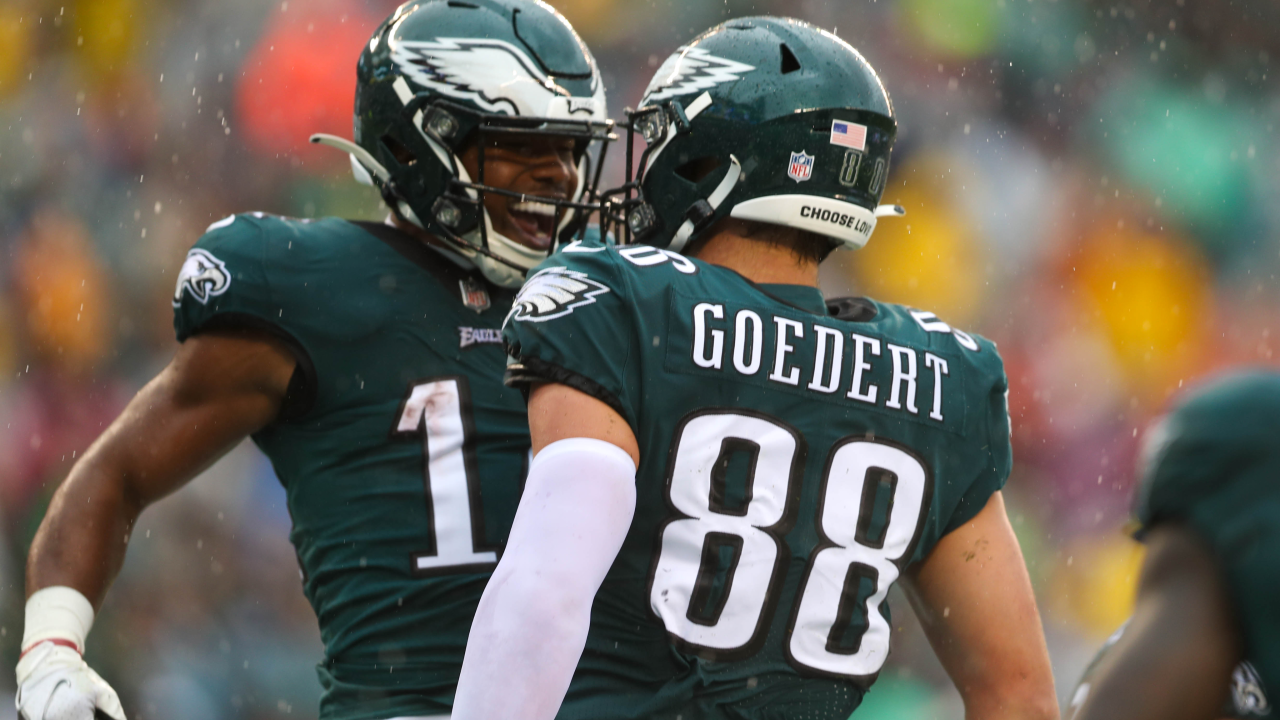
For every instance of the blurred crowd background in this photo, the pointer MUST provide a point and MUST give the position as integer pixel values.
(1093, 184)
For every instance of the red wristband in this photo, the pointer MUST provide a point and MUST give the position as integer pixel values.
(55, 641)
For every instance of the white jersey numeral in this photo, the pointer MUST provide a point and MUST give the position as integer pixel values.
(716, 578)
(682, 578)
(858, 472)
(438, 412)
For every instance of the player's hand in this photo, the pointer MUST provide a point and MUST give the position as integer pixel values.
(55, 683)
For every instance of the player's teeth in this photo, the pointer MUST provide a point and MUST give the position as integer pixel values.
(535, 208)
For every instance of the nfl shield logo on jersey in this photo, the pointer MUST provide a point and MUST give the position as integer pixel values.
(801, 166)
(474, 294)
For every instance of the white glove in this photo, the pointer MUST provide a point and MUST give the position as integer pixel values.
(55, 683)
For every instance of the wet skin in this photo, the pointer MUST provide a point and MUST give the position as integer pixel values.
(539, 166)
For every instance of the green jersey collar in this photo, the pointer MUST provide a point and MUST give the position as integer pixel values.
(804, 297)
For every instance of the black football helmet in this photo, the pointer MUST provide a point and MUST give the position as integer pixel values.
(440, 74)
(761, 118)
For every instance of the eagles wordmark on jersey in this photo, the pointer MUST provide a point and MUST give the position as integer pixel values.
(401, 453)
(795, 458)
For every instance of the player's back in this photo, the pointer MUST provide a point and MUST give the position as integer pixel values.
(1214, 464)
(795, 459)
(401, 453)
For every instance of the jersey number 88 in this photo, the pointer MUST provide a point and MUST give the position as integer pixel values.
(863, 479)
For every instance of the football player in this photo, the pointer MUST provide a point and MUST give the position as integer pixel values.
(1246, 699)
(1205, 631)
(733, 468)
(364, 359)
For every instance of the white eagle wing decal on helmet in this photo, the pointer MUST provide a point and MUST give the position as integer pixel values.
(690, 70)
(552, 293)
(495, 75)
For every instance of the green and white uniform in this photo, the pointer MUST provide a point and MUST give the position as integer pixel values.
(796, 456)
(401, 451)
(1214, 464)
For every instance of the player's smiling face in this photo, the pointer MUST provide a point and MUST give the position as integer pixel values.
(533, 165)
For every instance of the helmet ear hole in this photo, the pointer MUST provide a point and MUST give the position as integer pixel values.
(697, 170)
(789, 62)
(402, 154)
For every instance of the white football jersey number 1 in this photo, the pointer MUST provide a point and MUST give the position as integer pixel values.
(435, 411)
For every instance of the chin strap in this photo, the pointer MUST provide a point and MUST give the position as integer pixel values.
(704, 209)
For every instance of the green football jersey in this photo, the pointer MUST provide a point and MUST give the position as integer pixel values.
(1214, 464)
(796, 456)
(401, 451)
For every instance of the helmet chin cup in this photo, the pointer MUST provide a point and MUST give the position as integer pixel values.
(506, 263)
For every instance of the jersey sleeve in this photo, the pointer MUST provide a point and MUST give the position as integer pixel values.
(223, 278)
(571, 324)
(997, 452)
(1214, 459)
(231, 279)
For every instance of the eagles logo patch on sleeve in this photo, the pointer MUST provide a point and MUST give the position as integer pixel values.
(202, 276)
(1247, 694)
(552, 293)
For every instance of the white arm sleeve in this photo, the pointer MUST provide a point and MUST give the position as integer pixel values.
(531, 626)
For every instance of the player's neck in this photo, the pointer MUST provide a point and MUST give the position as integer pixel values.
(757, 260)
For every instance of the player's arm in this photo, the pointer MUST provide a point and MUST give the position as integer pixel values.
(1175, 658)
(219, 388)
(578, 501)
(974, 599)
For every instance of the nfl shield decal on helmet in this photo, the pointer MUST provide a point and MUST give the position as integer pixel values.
(801, 168)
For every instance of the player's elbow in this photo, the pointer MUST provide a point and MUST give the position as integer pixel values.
(543, 598)
(1041, 705)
